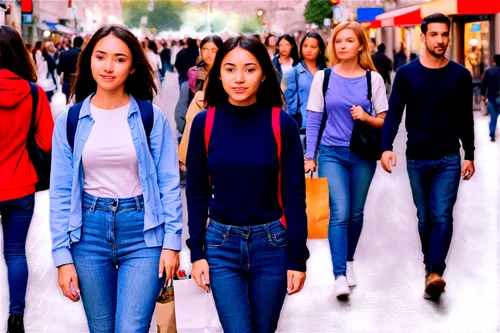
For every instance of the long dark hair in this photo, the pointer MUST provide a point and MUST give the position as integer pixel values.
(38, 47)
(294, 53)
(321, 59)
(269, 92)
(140, 84)
(212, 39)
(14, 56)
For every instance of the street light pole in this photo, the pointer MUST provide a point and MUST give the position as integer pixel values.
(208, 17)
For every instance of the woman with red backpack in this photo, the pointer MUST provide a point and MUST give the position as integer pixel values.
(246, 175)
(17, 172)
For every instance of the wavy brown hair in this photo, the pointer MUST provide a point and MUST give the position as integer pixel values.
(269, 92)
(140, 84)
(14, 56)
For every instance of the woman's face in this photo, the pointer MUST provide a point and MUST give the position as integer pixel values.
(310, 49)
(271, 41)
(285, 48)
(111, 63)
(347, 45)
(241, 76)
(208, 52)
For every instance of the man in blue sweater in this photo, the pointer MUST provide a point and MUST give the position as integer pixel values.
(437, 94)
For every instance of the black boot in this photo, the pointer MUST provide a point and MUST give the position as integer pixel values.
(15, 324)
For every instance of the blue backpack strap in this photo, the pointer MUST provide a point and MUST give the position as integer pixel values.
(72, 123)
(34, 104)
(147, 115)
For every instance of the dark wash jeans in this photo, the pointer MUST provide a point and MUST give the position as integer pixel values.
(434, 185)
(248, 275)
(16, 219)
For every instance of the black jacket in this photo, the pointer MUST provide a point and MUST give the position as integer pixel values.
(186, 58)
(383, 65)
(67, 63)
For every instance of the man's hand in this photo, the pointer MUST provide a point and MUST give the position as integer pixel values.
(201, 274)
(295, 281)
(68, 281)
(388, 158)
(468, 169)
(169, 262)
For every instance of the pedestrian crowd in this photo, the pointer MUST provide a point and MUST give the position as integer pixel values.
(254, 116)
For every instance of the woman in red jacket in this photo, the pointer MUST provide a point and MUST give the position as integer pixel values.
(17, 173)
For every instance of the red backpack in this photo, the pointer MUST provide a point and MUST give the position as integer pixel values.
(209, 124)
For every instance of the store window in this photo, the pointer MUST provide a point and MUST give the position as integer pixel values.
(477, 47)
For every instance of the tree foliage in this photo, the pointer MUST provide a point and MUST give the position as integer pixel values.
(166, 14)
(317, 11)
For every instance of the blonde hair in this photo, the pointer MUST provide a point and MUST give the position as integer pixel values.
(364, 58)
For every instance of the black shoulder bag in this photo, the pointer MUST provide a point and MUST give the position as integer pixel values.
(365, 139)
(41, 160)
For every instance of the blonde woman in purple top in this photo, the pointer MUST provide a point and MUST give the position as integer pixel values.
(349, 175)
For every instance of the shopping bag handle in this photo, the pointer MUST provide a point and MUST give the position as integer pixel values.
(312, 174)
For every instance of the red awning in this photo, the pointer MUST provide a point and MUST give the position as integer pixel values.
(460, 7)
(407, 16)
(375, 24)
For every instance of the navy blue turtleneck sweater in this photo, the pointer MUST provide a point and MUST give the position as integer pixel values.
(243, 168)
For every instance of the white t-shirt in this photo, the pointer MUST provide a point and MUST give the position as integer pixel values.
(109, 158)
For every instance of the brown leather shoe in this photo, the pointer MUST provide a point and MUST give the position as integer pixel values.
(434, 285)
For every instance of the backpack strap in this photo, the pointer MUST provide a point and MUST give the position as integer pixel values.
(209, 124)
(369, 85)
(34, 105)
(72, 123)
(276, 113)
(147, 116)
(326, 80)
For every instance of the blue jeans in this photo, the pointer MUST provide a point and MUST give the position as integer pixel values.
(16, 219)
(182, 78)
(494, 110)
(117, 272)
(349, 178)
(248, 275)
(434, 185)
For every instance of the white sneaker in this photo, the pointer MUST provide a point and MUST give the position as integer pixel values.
(351, 277)
(341, 287)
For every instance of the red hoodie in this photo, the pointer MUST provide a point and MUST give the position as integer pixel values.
(17, 174)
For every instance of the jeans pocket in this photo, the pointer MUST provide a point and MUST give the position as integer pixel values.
(86, 210)
(214, 239)
(279, 238)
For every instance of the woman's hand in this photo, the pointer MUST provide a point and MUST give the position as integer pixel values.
(309, 166)
(169, 262)
(357, 113)
(295, 281)
(68, 281)
(201, 274)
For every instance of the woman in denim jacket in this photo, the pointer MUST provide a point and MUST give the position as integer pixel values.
(298, 81)
(115, 207)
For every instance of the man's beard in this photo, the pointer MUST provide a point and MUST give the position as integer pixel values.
(437, 55)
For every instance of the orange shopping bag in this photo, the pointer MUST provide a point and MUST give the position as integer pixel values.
(318, 207)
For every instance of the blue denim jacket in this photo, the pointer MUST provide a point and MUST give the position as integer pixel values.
(298, 85)
(158, 173)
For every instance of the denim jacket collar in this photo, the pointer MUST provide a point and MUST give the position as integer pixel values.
(85, 110)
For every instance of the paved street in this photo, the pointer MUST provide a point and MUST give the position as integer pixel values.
(388, 297)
